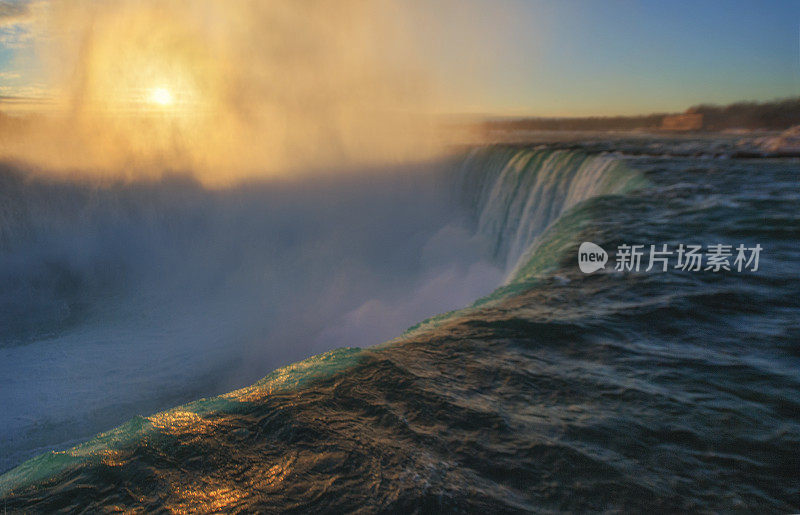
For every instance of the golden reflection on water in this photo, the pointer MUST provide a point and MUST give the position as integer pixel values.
(205, 501)
(179, 422)
(205, 497)
(112, 458)
(219, 491)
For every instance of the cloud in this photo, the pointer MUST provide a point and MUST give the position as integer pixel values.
(18, 27)
(28, 93)
(13, 13)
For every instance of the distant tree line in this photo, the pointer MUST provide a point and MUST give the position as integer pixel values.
(650, 121)
(776, 115)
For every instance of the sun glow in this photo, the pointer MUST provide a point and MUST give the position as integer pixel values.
(145, 86)
(161, 96)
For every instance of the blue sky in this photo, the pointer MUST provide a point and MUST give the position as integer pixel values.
(573, 57)
(562, 57)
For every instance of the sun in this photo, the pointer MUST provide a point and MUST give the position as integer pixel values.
(161, 96)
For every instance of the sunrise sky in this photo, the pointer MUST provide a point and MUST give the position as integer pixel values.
(548, 57)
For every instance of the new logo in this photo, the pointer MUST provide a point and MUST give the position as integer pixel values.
(591, 257)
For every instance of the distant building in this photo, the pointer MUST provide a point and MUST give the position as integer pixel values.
(682, 122)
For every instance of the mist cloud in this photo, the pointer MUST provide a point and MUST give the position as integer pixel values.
(259, 87)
